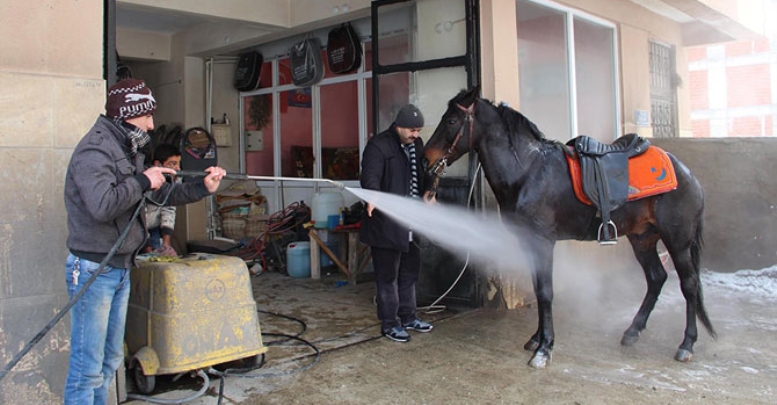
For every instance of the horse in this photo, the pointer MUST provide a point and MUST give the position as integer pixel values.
(529, 176)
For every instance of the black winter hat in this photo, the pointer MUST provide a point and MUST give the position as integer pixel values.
(409, 116)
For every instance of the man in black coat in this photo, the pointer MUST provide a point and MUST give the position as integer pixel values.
(391, 163)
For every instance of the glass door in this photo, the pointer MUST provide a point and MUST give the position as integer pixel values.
(424, 52)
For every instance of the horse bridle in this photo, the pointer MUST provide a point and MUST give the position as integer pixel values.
(438, 168)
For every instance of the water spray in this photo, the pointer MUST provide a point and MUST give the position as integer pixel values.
(243, 176)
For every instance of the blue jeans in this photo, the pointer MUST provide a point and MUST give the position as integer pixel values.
(97, 330)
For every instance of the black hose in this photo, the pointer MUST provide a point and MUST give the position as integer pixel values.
(237, 372)
(205, 385)
(228, 176)
(291, 318)
(242, 372)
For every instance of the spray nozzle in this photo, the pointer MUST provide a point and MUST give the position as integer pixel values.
(337, 184)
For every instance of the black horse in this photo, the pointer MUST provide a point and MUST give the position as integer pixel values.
(530, 178)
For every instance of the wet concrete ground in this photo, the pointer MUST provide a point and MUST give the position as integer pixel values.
(476, 356)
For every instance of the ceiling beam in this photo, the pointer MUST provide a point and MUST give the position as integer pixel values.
(271, 13)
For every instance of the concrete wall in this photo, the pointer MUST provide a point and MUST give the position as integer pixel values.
(739, 177)
(52, 91)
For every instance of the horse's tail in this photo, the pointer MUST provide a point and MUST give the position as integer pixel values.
(701, 312)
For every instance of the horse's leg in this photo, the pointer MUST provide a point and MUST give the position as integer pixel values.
(534, 342)
(542, 277)
(644, 247)
(690, 286)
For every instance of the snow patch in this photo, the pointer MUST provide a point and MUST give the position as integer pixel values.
(761, 283)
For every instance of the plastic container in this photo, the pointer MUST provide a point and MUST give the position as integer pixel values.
(333, 221)
(335, 248)
(324, 205)
(298, 259)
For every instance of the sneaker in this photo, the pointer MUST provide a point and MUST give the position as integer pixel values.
(419, 326)
(396, 334)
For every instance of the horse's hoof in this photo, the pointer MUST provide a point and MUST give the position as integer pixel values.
(531, 345)
(629, 340)
(683, 355)
(539, 361)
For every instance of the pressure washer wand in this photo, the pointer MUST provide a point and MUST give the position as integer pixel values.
(243, 176)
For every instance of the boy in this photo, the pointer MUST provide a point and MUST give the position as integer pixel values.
(160, 220)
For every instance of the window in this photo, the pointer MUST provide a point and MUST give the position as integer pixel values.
(567, 66)
(304, 132)
(663, 99)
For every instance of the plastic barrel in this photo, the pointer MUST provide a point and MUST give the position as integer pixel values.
(324, 205)
(298, 259)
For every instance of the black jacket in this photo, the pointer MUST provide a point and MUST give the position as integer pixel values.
(386, 168)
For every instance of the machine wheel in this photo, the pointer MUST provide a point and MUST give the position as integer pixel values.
(144, 383)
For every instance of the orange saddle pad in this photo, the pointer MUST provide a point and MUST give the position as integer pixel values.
(650, 173)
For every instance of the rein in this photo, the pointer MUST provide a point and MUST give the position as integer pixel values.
(439, 166)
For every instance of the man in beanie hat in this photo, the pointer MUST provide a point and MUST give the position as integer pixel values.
(392, 163)
(105, 185)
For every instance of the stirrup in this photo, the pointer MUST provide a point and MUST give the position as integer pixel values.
(599, 236)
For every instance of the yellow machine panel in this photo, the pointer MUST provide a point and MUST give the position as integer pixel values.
(191, 313)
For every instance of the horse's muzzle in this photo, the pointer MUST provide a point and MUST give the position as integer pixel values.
(434, 172)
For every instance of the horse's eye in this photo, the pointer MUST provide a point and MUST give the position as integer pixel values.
(452, 121)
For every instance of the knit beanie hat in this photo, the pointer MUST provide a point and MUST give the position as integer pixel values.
(129, 98)
(409, 116)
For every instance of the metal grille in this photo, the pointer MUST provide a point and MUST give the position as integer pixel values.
(663, 99)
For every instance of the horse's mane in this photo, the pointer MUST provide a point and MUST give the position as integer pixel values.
(515, 122)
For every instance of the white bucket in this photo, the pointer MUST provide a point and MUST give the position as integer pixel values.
(324, 205)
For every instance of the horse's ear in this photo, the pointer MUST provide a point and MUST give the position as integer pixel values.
(471, 96)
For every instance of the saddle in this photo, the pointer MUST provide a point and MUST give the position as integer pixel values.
(605, 175)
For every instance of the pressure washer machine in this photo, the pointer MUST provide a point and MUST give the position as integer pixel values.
(190, 313)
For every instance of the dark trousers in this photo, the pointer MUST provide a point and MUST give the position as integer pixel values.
(396, 274)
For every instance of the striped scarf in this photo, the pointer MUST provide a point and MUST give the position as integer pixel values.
(413, 171)
(138, 138)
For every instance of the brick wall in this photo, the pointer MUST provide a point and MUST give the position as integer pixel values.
(699, 90)
(731, 89)
(748, 85)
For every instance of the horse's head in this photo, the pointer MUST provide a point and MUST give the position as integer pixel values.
(453, 135)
